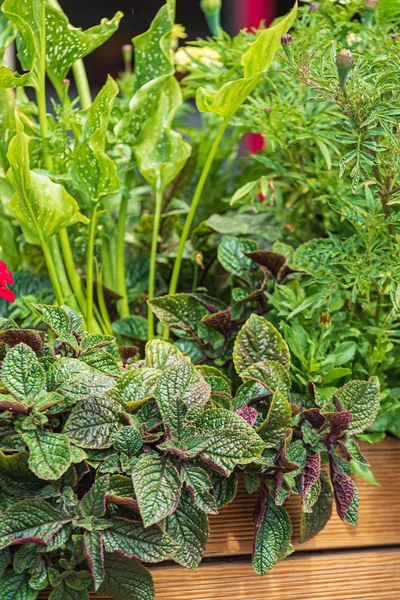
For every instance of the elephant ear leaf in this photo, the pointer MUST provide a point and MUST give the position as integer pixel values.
(66, 44)
(42, 206)
(93, 172)
(255, 62)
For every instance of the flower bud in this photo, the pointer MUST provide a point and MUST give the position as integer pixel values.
(267, 109)
(325, 319)
(314, 6)
(212, 13)
(66, 82)
(344, 64)
(371, 4)
(127, 53)
(395, 36)
(287, 42)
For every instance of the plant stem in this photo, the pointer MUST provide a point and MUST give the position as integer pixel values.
(71, 270)
(51, 268)
(89, 270)
(101, 301)
(106, 264)
(153, 258)
(192, 211)
(123, 304)
(193, 208)
(69, 297)
(82, 84)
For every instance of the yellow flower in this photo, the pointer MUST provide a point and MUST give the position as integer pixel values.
(187, 57)
(178, 33)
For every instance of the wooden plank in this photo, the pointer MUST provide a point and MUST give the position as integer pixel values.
(348, 575)
(379, 525)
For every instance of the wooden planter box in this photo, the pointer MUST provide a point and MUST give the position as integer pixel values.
(342, 563)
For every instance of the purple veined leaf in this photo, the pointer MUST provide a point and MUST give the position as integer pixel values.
(343, 488)
(221, 321)
(93, 548)
(338, 422)
(273, 261)
(248, 413)
(314, 417)
(311, 471)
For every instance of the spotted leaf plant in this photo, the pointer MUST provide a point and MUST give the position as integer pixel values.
(110, 460)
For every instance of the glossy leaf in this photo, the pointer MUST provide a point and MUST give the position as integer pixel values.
(94, 551)
(361, 399)
(14, 586)
(94, 422)
(22, 374)
(49, 453)
(271, 374)
(126, 579)
(137, 386)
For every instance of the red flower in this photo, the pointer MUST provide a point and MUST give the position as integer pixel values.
(6, 279)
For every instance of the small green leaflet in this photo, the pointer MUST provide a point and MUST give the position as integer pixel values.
(157, 487)
(272, 535)
(259, 341)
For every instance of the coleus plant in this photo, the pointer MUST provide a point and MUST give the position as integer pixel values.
(109, 460)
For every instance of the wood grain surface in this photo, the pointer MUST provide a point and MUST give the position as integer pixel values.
(344, 575)
(379, 524)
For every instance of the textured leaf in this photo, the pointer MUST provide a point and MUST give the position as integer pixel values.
(38, 203)
(343, 490)
(14, 586)
(4, 559)
(228, 99)
(271, 374)
(277, 421)
(224, 488)
(259, 341)
(351, 516)
(160, 354)
(94, 551)
(56, 318)
(15, 476)
(66, 44)
(313, 523)
(121, 492)
(188, 526)
(94, 422)
(93, 172)
(128, 440)
(272, 535)
(132, 540)
(30, 521)
(12, 337)
(138, 385)
(94, 502)
(49, 453)
(361, 399)
(102, 361)
(312, 471)
(199, 483)
(96, 340)
(21, 373)
(231, 440)
(126, 579)
(231, 255)
(311, 496)
(157, 487)
(134, 327)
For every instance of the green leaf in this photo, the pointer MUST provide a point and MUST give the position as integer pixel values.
(228, 99)
(14, 586)
(160, 354)
(133, 327)
(42, 206)
(224, 488)
(259, 341)
(66, 44)
(30, 520)
(63, 592)
(93, 172)
(55, 317)
(188, 526)
(351, 517)
(138, 385)
(132, 540)
(49, 453)
(128, 440)
(7, 127)
(126, 579)
(270, 374)
(364, 472)
(272, 535)
(94, 422)
(96, 340)
(361, 399)
(157, 487)
(231, 255)
(313, 523)
(102, 361)
(277, 421)
(16, 478)
(4, 560)
(231, 440)
(22, 374)
(94, 502)
(94, 551)
(199, 484)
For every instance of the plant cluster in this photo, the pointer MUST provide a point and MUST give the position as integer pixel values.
(109, 460)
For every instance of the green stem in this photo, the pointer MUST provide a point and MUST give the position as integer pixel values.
(82, 84)
(153, 258)
(123, 304)
(192, 212)
(69, 297)
(101, 301)
(51, 268)
(89, 270)
(73, 276)
(106, 264)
